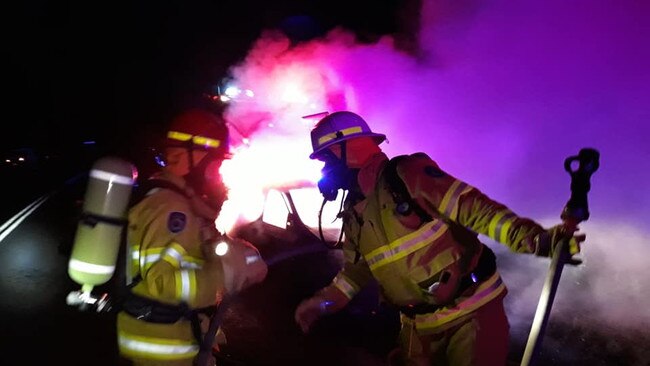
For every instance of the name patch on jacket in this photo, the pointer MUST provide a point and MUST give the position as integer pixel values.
(176, 222)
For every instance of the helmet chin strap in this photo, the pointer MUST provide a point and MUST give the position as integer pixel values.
(190, 177)
(344, 148)
(190, 157)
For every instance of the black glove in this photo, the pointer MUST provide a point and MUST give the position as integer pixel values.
(547, 242)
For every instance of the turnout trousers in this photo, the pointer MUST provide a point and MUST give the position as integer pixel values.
(478, 339)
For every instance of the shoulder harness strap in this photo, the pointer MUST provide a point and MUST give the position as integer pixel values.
(153, 183)
(486, 263)
(405, 203)
(139, 195)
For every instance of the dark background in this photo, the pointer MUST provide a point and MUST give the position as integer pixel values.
(111, 72)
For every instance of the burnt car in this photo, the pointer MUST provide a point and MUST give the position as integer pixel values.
(259, 323)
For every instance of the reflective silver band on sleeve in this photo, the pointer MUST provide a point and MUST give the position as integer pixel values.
(345, 285)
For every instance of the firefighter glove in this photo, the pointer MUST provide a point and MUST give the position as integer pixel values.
(327, 301)
(243, 265)
(547, 241)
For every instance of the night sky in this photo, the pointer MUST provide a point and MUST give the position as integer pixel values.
(116, 68)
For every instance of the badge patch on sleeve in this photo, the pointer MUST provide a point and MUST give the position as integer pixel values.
(176, 222)
(432, 171)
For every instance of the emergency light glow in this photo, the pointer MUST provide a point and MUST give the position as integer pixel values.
(232, 91)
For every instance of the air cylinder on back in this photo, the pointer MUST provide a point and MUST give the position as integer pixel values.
(99, 231)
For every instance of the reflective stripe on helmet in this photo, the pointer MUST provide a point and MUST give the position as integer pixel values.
(196, 140)
(344, 132)
(337, 127)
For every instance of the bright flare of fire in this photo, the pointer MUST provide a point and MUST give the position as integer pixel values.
(274, 138)
(272, 163)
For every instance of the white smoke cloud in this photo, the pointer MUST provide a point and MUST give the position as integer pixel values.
(611, 285)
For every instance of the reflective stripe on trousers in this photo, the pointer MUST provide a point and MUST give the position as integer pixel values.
(156, 348)
(480, 339)
(486, 291)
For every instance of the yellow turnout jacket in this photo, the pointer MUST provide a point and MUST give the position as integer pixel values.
(165, 237)
(421, 262)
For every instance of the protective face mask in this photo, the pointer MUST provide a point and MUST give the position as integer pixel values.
(336, 175)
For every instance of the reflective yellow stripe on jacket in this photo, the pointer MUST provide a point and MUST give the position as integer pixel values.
(486, 291)
(400, 248)
(156, 348)
(449, 203)
(500, 224)
(176, 256)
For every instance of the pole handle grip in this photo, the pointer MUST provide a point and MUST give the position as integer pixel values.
(580, 167)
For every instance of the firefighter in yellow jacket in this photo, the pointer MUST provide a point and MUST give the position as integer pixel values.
(413, 228)
(178, 274)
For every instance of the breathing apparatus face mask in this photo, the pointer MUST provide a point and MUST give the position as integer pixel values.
(206, 181)
(335, 175)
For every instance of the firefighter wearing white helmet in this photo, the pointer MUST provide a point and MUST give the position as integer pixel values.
(412, 227)
(179, 269)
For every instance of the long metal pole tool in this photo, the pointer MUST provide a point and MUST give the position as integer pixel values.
(575, 211)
